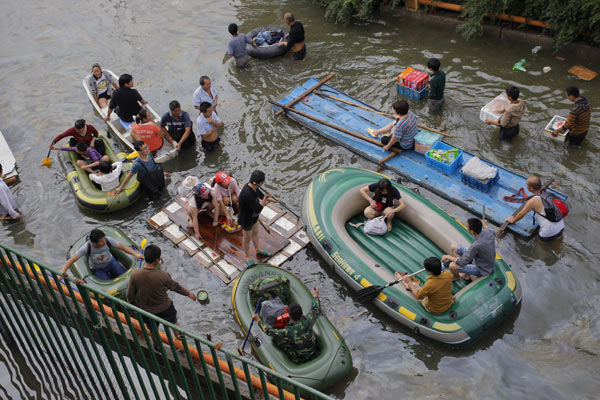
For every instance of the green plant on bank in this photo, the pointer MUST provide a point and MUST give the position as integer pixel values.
(568, 19)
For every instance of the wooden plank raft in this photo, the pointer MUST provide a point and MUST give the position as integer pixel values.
(222, 252)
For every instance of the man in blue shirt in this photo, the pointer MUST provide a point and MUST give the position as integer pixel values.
(237, 46)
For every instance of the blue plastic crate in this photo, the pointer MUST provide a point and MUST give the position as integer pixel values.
(412, 94)
(442, 166)
(477, 184)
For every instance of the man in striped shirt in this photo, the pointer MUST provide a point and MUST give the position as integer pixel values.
(578, 121)
(405, 128)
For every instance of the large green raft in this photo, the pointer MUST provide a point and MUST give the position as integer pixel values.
(333, 361)
(421, 230)
(87, 195)
(115, 287)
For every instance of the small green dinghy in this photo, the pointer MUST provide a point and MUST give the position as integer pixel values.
(115, 287)
(90, 197)
(332, 363)
(333, 201)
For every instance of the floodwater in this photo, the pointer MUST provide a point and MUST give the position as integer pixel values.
(549, 350)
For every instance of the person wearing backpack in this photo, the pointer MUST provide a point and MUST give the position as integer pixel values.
(550, 211)
(100, 260)
(149, 173)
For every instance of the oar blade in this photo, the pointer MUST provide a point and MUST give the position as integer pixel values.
(368, 294)
(46, 162)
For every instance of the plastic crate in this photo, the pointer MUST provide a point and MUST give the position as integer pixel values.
(486, 112)
(412, 94)
(550, 128)
(484, 186)
(424, 140)
(442, 166)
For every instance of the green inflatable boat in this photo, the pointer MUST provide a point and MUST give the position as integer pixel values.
(333, 201)
(333, 361)
(115, 287)
(89, 196)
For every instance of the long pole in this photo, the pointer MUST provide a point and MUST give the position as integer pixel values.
(378, 112)
(309, 91)
(339, 128)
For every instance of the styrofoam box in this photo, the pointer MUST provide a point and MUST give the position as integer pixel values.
(485, 112)
(548, 129)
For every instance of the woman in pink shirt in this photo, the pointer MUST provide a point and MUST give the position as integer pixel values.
(227, 192)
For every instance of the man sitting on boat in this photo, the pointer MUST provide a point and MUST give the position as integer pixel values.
(82, 132)
(405, 128)
(107, 175)
(125, 101)
(478, 260)
(436, 294)
(148, 132)
(386, 201)
(90, 158)
(297, 340)
(100, 260)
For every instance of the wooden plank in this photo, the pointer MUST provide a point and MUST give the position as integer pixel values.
(583, 72)
(309, 91)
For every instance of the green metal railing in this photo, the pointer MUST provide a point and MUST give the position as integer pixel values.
(92, 345)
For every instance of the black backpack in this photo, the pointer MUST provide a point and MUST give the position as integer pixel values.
(153, 180)
(554, 208)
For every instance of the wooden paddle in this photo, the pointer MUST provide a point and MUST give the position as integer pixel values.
(505, 224)
(47, 162)
(373, 110)
(309, 91)
(386, 159)
(370, 293)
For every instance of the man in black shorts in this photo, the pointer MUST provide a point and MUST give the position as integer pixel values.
(252, 200)
(148, 288)
(295, 39)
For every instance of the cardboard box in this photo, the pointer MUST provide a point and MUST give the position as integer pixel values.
(556, 122)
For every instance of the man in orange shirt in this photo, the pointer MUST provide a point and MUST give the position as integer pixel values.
(147, 131)
(436, 294)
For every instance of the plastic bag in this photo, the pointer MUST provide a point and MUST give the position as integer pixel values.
(186, 187)
(479, 170)
(375, 226)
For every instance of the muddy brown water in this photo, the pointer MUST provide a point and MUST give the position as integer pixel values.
(548, 350)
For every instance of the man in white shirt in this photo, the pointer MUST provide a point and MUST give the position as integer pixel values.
(207, 123)
(8, 204)
(205, 93)
(107, 177)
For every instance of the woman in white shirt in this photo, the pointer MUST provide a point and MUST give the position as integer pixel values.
(107, 176)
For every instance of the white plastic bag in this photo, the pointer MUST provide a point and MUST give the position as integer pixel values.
(479, 170)
(375, 226)
(187, 186)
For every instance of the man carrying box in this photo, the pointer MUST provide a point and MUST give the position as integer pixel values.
(578, 121)
(510, 118)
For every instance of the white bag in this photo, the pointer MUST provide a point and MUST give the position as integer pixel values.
(187, 186)
(375, 226)
(479, 170)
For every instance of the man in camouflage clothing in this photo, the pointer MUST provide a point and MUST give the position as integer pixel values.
(297, 339)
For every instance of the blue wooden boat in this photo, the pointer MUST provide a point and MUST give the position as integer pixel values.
(409, 164)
